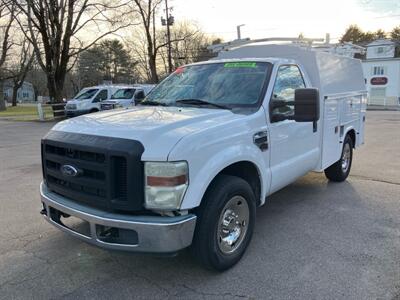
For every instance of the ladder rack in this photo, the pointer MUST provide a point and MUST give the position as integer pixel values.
(240, 42)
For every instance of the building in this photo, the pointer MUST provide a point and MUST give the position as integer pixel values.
(382, 72)
(25, 93)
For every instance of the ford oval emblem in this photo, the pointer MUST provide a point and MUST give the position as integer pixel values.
(70, 171)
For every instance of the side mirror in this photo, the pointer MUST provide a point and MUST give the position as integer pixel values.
(139, 96)
(306, 105)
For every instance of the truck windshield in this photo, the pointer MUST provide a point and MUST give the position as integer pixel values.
(86, 94)
(123, 94)
(221, 85)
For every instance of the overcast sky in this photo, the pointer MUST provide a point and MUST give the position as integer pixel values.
(271, 18)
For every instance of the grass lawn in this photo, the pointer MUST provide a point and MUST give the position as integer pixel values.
(25, 113)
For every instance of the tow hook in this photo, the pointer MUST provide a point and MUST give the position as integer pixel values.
(43, 211)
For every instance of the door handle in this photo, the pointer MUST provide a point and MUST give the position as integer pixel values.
(260, 139)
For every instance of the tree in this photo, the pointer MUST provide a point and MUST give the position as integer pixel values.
(89, 66)
(395, 33)
(20, 68)
(108, 60)
(37, 77)
(117, 65)
(189, 45)
(137, 46)
(355, 35)
(54, 28)
(368, 37)
(147, 10)
(7, 14)
(380, 34)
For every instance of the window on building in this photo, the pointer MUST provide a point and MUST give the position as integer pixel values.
(379, 50)
(378, 70)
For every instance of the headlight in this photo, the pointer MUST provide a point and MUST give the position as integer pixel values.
(165, 184)
(71, 106)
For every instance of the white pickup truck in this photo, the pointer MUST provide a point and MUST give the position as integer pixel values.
(205, 149)
(127, 96)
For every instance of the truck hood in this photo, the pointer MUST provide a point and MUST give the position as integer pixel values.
(72, 102)
(159, 129)
(78, 103)
(115, 101)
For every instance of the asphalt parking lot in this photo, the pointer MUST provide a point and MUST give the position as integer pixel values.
(313, 239)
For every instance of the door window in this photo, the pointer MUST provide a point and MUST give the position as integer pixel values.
(288, 79)
(102, 95)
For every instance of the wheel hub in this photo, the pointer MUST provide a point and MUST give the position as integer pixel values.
(232, 226)
(346, 157)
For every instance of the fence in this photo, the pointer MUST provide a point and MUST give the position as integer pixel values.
(57, 111)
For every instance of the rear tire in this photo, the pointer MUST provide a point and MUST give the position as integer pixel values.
(93, 110)
(339, 171)
(225, 223)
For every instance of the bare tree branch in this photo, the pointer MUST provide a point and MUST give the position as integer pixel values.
(53, 27)
(6, 44)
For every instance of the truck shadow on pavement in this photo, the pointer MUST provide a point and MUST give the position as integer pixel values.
(304, 232)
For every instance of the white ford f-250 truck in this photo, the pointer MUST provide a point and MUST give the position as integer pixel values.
(190, 164)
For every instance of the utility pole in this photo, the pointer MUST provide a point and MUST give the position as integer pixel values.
(239, 36)
(168, 37)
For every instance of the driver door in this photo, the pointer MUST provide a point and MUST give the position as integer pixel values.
(101, 96)
(294, 145)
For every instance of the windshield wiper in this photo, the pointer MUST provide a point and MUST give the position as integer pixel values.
(201, 102)
(155, 103)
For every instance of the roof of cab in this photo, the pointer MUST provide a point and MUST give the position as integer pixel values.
(330, 73)
(252, 59)
(104, 86)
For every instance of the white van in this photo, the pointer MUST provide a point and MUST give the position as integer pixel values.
(88, 100)
(127, 96)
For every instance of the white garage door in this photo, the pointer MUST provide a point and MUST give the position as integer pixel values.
(377, 96)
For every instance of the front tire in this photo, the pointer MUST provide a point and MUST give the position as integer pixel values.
(225, 223)
(339, 171)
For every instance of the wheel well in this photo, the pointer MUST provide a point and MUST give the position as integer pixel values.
(248, 172)
(352, 135)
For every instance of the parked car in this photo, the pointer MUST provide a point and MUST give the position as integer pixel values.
(190, 165)
(127, 96)
(88, 100)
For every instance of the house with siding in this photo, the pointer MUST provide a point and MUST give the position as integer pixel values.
(25, 94)
(382, 72)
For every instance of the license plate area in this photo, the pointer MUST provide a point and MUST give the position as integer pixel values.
(104, 234)
(114, 235)
(71, 223)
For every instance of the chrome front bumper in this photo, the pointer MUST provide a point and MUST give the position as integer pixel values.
(75, 112)
(155, 234)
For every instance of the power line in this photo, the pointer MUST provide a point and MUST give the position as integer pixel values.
(386, 16)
